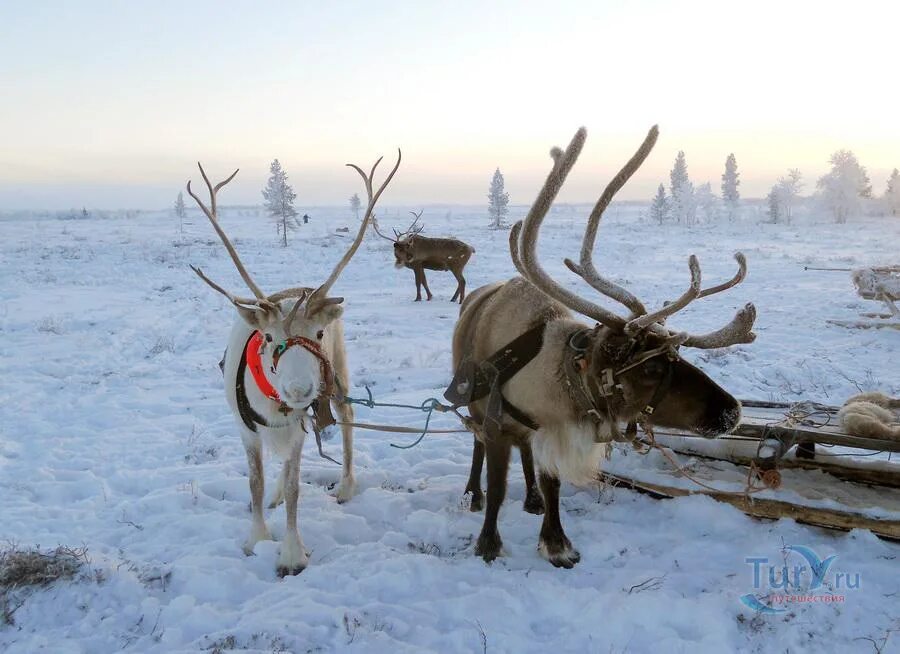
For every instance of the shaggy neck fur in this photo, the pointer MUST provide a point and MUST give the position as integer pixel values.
(566, 444)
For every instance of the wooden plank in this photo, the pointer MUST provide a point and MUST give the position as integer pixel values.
(768, 508)
(742, 452)
(766, 419)
(864, 325)
(823, 435)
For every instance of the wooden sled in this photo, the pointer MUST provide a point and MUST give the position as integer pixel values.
(816, 474)
(880, 283)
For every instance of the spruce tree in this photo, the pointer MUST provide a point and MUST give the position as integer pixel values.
(659, 208)
(773, 201)
(681, 190)
(730, 182)
(180, 211)
(678, 177)
(279, 197)
(892, 195)
(498, 201)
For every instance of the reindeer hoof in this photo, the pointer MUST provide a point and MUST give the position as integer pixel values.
(560, 554)
(290, 571)
(346, 490)
(477, 503)
(256, 535)
(489, 547)
(418, 299)
(534, 503)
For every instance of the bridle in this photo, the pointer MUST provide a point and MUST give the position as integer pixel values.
(589, 391)
(314, 348)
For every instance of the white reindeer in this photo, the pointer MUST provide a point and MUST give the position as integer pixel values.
(285, 356)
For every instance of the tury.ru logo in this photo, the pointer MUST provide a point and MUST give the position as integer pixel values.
(798, 576)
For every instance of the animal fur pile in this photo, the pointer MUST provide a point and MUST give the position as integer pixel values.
(871, 415)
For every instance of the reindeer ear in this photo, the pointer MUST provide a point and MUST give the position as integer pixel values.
(256, 317)
(329, 313)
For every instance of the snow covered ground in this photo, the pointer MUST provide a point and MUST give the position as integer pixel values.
(114, 434)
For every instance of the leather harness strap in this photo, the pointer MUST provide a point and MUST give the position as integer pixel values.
(588, 390)
(594, 394)
(473, 382)
(248, 414)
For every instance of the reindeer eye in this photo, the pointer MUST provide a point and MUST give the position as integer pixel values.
(320, 334)
(268, 338)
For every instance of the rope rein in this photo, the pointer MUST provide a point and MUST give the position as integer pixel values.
(428, 406)
(803, 413)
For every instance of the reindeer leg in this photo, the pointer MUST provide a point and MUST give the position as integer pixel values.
(460, 286)
(418, 273)
(553, 544)
(489, 543)
(294, 557)
(474, 485)
(425, 283)
(347, 488)
(258, 529)
(534, 503)
(278, 497)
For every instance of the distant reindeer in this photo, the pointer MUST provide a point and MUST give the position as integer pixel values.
(533, 376)
(421, 253)
(286, 354)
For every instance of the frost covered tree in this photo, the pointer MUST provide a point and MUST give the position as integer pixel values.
(892, 194)
(279, 197)
(706, 203)
(682, 201)
(355, 204)
(180, 211)
(843, 187)
(788, 191)
(783, 196)
(730, 182)
(773, 203)
(678, 176)
(498, 201)
(659, 208)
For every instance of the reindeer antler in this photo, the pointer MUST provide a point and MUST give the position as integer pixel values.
(563, 160)
(586, 270)
(523, 246)
(378, 231)
(319, 298)
(411, 230)
(212, 213)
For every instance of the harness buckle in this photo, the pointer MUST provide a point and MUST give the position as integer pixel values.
(608, 385)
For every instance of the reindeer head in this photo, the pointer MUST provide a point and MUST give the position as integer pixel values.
(629, 368)
(290, 344)
(292, 323)
(404, 242)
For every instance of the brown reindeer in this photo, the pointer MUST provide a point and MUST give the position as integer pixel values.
(573, 384)
(421, 253)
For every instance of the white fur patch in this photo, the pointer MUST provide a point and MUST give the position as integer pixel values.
(570, 453)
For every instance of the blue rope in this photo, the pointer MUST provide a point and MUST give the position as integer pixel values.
(429, 406)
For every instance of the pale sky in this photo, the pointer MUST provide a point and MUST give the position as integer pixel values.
(109, 104)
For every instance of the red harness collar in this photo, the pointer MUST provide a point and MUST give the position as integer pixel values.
(254, 363)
